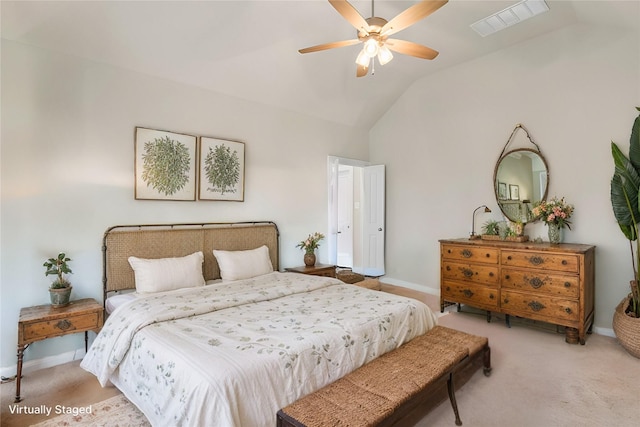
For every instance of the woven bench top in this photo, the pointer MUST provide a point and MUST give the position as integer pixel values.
(371, 393)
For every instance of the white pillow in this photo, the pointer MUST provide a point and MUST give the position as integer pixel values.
(236, 265)
(165, 274)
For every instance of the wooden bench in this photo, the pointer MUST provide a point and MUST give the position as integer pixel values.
(382, 391)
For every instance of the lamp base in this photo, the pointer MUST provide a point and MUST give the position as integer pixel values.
(474, 237)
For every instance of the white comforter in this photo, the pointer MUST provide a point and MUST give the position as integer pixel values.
(232, 354)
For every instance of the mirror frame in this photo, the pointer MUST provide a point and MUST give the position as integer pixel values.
(495, 178)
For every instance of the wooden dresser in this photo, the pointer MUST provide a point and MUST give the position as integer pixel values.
(539, 281)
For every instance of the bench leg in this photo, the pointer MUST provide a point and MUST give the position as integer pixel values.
(486, 361)
(452, 398)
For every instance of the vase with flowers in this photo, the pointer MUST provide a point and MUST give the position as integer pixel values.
(309, 246)
(555, 213)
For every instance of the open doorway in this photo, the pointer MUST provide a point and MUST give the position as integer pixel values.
(356, 215)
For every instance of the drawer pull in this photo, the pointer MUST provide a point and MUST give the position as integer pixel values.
(467, 253)
(487, 255)
(536, 260)
(507, 277)
(466, 272)
(567, 284)
(509, 257)
(536, 282)
(491, 296)
(63, 324)
(567, 310)
(536, 306)
(467, 293)
(564, 262)
(491, 274)
(448, 268)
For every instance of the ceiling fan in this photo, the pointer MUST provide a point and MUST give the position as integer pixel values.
(374, 33)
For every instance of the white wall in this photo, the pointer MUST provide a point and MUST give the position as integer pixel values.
(575, 90)
(67, 171)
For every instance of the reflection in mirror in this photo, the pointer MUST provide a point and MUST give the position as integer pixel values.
(520, 179)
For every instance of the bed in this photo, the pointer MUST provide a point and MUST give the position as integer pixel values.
(238, 340)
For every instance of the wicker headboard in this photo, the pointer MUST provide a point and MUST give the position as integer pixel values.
(176, 240)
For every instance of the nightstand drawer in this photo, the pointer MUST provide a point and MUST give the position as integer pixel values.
(52, 328)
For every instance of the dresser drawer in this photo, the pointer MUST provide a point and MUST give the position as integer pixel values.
(539, 306)
(470, 254)
(540, 281)
(477, 296)
(51, 328)
(542, 260)
(479, 273)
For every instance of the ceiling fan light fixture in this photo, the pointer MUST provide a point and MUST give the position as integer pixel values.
(384, 55)
(371, 47)
(363, 58)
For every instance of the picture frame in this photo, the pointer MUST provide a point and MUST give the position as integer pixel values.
(514, 192)
(502, 191)
(221, 170)
(165, 165)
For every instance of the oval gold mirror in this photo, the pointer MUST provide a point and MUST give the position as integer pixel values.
(521, 179)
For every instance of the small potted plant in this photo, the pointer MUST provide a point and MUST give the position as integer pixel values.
(60, 289)
(309, 246)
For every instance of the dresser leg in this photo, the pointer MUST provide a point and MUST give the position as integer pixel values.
(19, 373)
(507, 320)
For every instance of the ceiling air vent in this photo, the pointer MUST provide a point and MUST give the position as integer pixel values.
(510, 16)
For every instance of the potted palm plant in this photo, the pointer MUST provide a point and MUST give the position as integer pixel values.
(625, 189)
(60, 288)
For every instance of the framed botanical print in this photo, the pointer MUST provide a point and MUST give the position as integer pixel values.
(502, 191)
(165, 165)
(514, 192)
(221, 170)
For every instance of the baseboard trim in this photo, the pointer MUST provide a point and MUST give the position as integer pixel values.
(410, 285)
(45, 362)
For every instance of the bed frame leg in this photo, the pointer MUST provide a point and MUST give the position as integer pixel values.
(452, 398)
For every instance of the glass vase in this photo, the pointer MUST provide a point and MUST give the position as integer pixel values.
(555, 233)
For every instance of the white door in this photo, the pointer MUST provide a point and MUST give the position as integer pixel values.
(345, 217)
(373, 205)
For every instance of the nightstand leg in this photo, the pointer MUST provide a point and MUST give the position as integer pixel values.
(19, 373)
(86, 341)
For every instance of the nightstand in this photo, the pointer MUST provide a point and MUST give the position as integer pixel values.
(43, 321)
(316, 270)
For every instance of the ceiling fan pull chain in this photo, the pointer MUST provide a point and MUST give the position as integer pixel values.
(373, 66)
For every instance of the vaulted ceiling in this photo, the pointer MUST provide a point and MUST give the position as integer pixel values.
(249, 49)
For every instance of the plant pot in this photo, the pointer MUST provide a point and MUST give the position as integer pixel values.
(627, 328)
(60, 296)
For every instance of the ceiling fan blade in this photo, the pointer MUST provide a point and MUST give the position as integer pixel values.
(410, 48)
(362, 70)
(349, 13)
(411, 16)
(331, 45)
